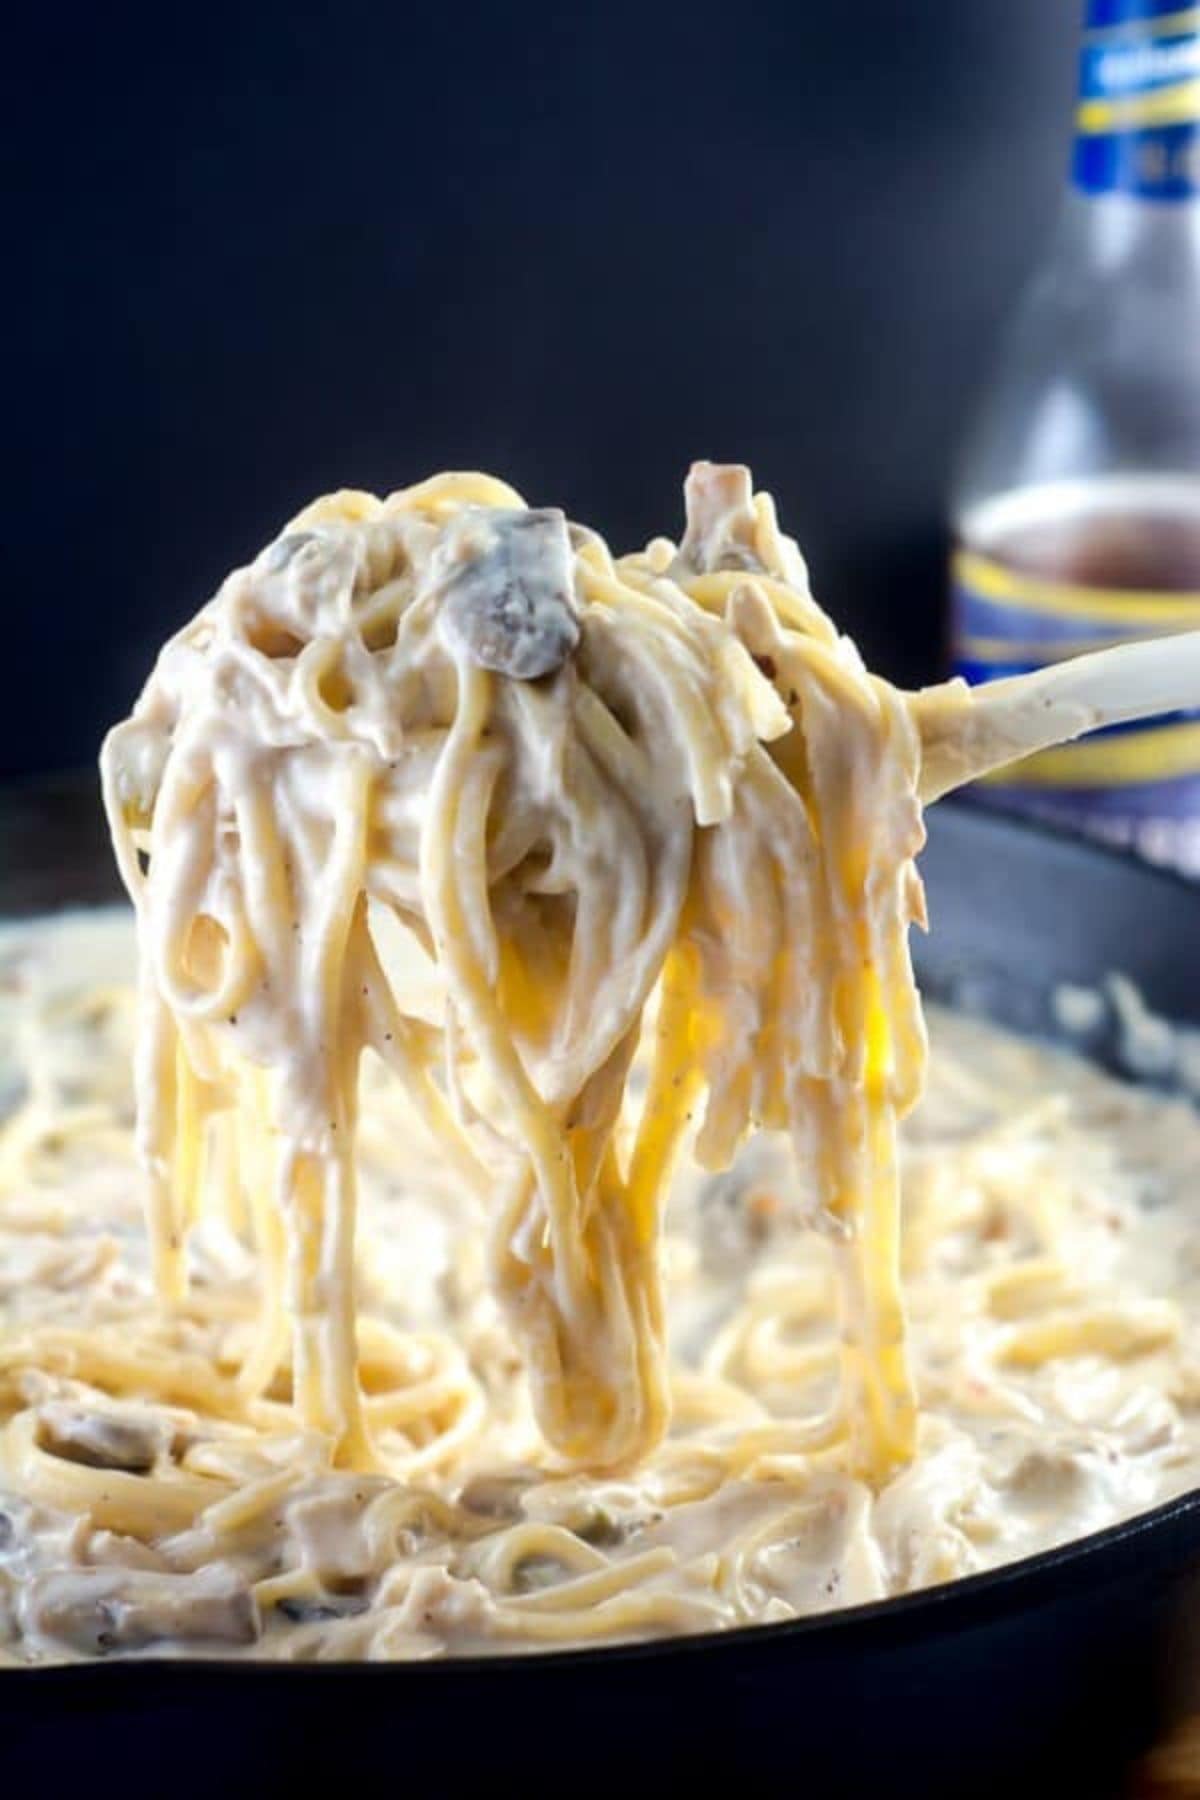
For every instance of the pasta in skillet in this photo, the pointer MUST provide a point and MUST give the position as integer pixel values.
(489, 891)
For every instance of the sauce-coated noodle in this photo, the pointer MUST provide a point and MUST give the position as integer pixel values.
(581, 785)
(488, 891)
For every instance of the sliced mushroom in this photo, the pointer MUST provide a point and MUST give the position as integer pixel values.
(95, 1610)
(602, 1527)
(496, 1496)
(132, 1440)
(533, 1573)
(318, 1611)
(506, 581)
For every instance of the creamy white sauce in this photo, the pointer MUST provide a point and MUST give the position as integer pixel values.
(1051, 1268)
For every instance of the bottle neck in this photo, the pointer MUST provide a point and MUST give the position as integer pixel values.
(1137, 122)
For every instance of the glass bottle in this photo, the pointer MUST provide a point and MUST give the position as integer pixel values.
(1077, 513)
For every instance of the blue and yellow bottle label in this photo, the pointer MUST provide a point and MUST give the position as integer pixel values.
(1128, 782)
(1137, 125)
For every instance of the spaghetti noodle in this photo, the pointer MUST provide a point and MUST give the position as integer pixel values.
(579, 784)
(147, 1502)
(484, 885)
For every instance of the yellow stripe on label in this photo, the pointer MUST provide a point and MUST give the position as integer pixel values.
(1166, 25)
(1127, 760)
(1162, 106)
(1036, 651)
(1118, 606)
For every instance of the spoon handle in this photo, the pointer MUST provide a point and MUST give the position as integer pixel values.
(967, 732)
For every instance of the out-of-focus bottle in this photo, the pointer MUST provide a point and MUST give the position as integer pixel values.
(1077, 515)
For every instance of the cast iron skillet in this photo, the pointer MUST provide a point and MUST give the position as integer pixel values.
(1047, 1676)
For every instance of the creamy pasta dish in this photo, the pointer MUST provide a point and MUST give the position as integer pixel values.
(475, 1202)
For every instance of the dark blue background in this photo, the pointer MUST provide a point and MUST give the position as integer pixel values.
(255, 253)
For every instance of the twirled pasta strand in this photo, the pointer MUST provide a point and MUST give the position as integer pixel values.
(708, 803)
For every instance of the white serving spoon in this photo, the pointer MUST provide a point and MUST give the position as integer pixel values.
(966, 732)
